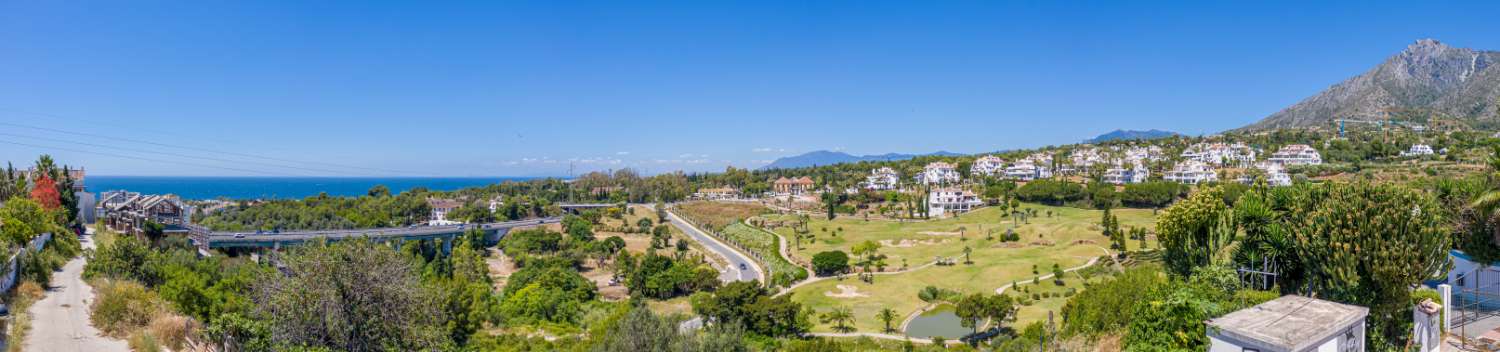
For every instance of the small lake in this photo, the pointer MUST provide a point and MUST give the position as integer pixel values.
(940, 321)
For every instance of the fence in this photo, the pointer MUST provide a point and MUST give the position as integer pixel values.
(13, 266)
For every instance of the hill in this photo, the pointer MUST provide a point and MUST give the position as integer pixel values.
(1429, 78)
(1130, 135)
(824, 157)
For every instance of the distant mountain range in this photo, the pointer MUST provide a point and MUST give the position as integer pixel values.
(1427, 79)
(1130, 135)
(824, 157)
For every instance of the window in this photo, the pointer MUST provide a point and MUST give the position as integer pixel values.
(1460, 281)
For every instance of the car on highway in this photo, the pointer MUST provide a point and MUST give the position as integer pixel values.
(744, 267)
(239, 235)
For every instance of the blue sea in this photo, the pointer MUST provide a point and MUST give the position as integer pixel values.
(194, 187)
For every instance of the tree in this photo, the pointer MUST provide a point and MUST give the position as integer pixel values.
(968, 250)
(886, 315)
(349, 295)
(830, 263)
(44, 192)
(1194, 230)
(748, 305)
(840, 316)
(379, 191)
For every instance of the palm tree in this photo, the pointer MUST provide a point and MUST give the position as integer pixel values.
(1489, 202)
(840, 317)
(967, 250)
(886, 315)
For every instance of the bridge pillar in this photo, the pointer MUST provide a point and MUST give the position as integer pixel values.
(448, 244)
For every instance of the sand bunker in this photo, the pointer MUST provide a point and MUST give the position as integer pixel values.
(1010, 245)
(1041, 243)
(845, 291)
(907, 243)
(1084, 242)
(936, 233)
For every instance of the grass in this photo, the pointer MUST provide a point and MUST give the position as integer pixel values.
(25, 295)
(718, 215)
(1068, 238)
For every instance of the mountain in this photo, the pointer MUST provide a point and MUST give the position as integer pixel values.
(824, 157)
(1428, 78)
(1130, 135)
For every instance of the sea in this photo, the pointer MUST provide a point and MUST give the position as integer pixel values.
(213, 187)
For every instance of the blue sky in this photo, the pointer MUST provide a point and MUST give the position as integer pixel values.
(524, 88)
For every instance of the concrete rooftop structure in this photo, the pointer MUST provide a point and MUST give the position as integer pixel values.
(1290, 323)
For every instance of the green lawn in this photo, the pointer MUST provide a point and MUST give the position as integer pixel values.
(1070, 237)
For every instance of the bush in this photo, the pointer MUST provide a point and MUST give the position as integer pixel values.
(830, 263)
(123, 306)
(1051, 192)
(143, 342)
(1154, 194)
(172, 330)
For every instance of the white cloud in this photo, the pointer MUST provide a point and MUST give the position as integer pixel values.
(768, 150)
(622, 153)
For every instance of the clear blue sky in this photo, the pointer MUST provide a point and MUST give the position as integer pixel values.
(520, 88)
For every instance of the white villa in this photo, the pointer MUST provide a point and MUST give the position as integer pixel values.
(938, 173)
(1120, 175)
(951, 200)
(1084, 159)
(440, 210)
(1296, 154)
(1027, 170)
(883, 179)
(1275, 175)
(988, 165)
(1192, 172)
(1418, 150)
(1143, 154)
(1220, 154)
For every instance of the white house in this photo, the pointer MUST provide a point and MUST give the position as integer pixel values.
(951, 200)
(1120, 175)
(883, 179)
(1143, 154)
(1027, 170)
(1192, 172)
(1084, 159)
(440, 210)
(1274, 174)
(1296, 154)
(1290, 323)
(988, 165)
(939, 173)
(1220, 154)
(1418, 150)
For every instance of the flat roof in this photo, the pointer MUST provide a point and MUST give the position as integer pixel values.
(1290, 322)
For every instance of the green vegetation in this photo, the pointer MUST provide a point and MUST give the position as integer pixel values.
(767, 248)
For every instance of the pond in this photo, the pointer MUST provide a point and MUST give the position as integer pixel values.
(940, 321)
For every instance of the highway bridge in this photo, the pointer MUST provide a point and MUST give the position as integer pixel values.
(206, 239)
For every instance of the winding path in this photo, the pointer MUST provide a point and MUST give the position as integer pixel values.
(60, 321)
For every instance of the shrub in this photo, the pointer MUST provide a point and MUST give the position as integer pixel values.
(172, 330)
(123, 306)
(830, 262)
(143, 342)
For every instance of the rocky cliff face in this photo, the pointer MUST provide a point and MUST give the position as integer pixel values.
(1425, 79)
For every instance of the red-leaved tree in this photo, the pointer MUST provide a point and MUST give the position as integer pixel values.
(44, 192)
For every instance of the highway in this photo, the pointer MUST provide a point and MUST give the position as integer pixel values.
(226, 238)
(753, 271)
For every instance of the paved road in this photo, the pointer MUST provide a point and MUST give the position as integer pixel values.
(732, 273)
(60, 322)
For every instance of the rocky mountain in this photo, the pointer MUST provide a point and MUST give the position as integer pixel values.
(1130, 135)
(1428, 78)
(824, 157)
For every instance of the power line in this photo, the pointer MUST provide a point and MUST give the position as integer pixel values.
(204, 150)
(140, 158)
(175, 154)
